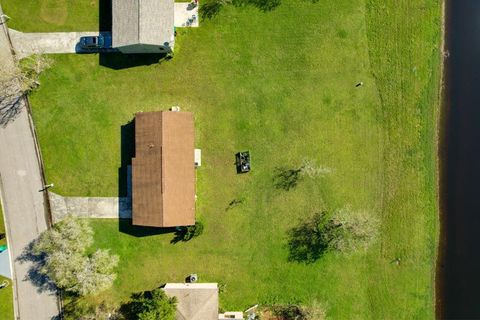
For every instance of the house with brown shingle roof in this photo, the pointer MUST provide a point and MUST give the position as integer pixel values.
(163, 170)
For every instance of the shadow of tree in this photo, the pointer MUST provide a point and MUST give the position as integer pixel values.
(233, 204)
(287, 179)
(211, 8)
(312, 238)
(34, 274)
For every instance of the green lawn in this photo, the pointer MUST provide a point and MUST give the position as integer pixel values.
(52, 15)
(2, 228)
(282, 85)
(6, 294)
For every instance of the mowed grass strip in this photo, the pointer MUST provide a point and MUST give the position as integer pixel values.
(404, 40)
(282, 87)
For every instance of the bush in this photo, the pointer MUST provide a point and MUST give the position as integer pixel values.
(187, 233)
(193, 231)
(297, 312)
(150, 305)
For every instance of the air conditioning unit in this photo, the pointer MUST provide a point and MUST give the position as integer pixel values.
(193, 278)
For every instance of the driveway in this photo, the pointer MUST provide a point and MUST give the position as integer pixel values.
(26, 44)
(23, 204)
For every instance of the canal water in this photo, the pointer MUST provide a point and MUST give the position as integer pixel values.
(458, 270)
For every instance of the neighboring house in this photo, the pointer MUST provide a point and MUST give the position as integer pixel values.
(143, 26)
(163, 170)
(197, 301)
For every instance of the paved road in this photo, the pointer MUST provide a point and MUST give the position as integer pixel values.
(23, 204)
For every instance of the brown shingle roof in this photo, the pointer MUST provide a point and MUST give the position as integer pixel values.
(163, 172)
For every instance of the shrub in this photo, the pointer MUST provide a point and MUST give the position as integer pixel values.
(187, 233)
(151, 305)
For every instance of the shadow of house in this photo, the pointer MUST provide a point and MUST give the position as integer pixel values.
(126, 226)
(127, 152)
(105, 16)
(118, 60)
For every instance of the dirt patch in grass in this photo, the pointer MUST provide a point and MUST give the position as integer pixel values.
(54, 11)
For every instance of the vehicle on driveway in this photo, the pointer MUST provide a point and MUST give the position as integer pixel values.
(92, 42)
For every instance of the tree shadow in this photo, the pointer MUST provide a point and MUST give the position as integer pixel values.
(10, 109)
(118, 60)
(233, 204)
(311, 239)
(34, 275)
(287, 179)
(210, 9)
(262, 5)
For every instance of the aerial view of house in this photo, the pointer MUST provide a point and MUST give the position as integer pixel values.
(239, 159)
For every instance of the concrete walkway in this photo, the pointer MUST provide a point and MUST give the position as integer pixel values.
(23, 204)
(183, 13)
(26, 44)
(90, 207)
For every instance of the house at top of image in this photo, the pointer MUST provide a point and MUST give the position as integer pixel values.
(143, 26)
(163, 170)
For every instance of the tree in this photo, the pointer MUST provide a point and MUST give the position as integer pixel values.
(343, 231)
(71, 235)
(65, 262)
(360, 229)
(151, 305)
(18, 81)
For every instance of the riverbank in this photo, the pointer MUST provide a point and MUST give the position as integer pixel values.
(441, 156)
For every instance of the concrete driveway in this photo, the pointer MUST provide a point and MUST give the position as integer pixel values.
(26, 44)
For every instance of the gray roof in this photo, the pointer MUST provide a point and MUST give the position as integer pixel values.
(196, 301)
(142, 22)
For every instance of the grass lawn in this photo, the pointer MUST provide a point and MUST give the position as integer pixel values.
(282, 85)
(2, 228)
(52, 15)
(6, 294)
